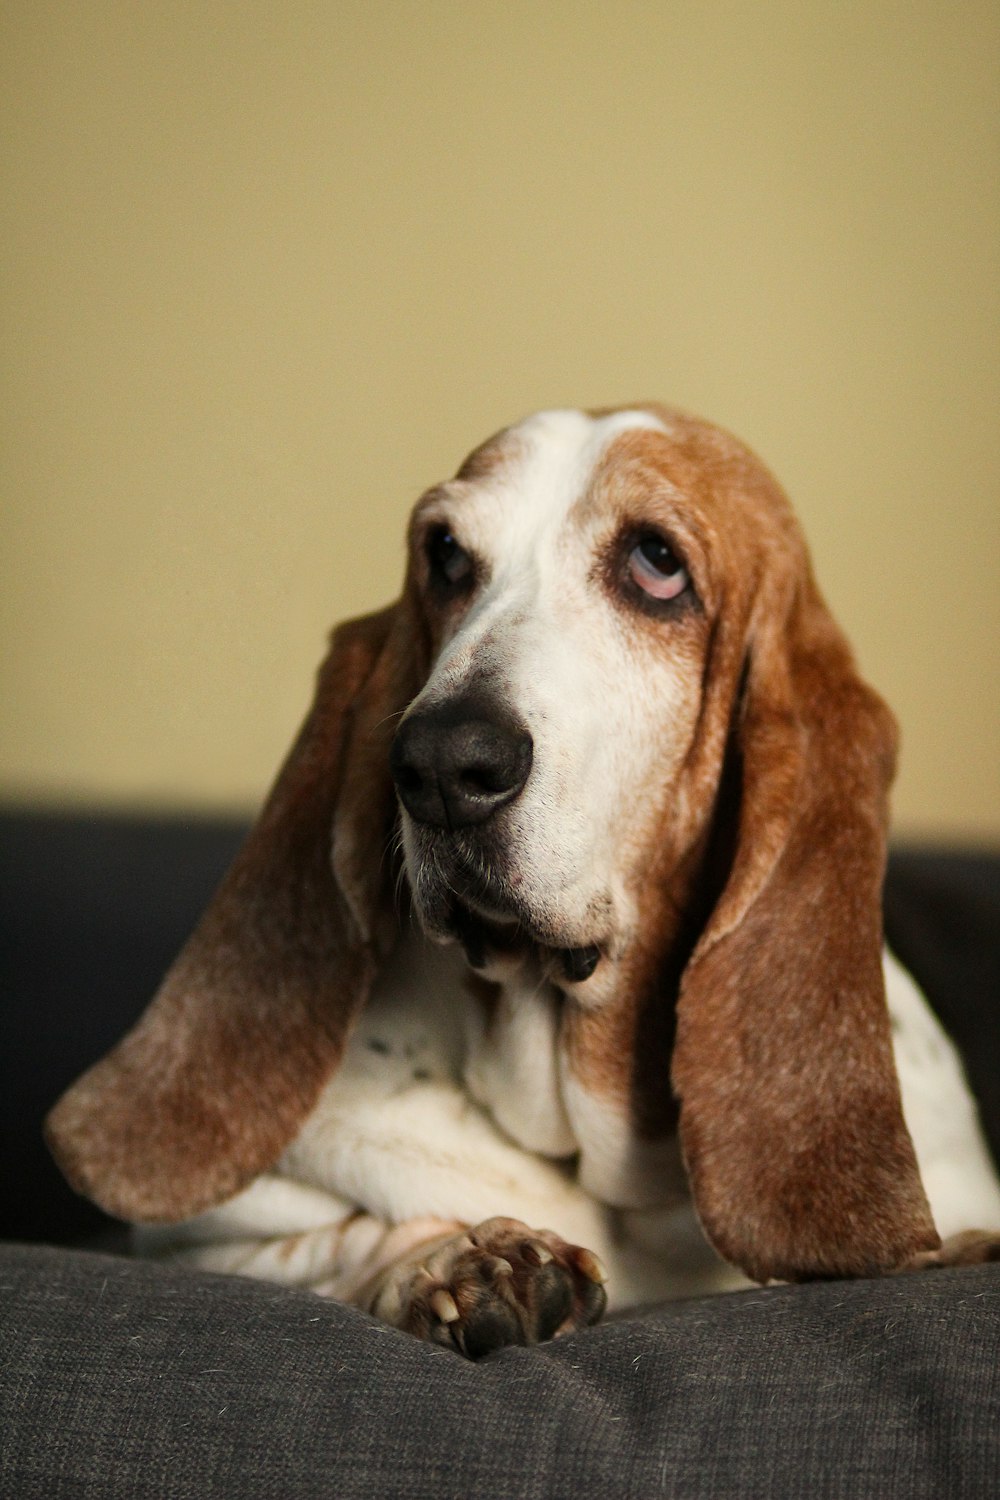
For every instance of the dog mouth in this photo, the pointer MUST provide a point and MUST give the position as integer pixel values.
(466, 892)
(483, 913)
(484, 937)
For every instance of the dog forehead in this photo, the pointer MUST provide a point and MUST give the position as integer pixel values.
(560, 450)
(532, 476)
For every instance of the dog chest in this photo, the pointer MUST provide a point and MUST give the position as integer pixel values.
(453, 1091)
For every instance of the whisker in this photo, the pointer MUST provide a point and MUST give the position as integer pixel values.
(397, 894)
(393, 845)
(396, 714)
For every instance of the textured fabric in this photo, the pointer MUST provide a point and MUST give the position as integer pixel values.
(124, 1380)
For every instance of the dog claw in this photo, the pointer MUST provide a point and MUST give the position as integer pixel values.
(443, 1306)
(536, 1254)
(591, 1266)
(496, 1266)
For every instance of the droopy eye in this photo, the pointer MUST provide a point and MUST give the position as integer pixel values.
(452, 568)
(655, 567)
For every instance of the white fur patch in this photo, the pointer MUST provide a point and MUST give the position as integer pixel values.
(940, 1113)
(513, 1065)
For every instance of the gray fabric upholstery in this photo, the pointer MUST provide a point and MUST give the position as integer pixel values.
(121, 1379)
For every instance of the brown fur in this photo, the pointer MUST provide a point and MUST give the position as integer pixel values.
(489, 458)
(791, 1122)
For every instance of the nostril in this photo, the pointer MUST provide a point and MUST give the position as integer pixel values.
(408, 778)
(490, 765)
(479, 780)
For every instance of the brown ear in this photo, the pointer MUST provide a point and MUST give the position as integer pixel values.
(799, 1160)
(217, 1076)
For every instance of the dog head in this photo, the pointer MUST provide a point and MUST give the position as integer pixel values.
(626, 736)
(561, 580)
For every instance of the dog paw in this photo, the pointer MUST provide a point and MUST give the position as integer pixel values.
(502, 1283)
(971, 1247)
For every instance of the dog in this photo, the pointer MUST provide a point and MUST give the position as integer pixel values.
(564, 910)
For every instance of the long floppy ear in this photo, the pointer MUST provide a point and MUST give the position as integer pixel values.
(791, 1125)
(218, 1074)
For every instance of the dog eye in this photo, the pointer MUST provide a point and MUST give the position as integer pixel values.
(451, 566)
(655, 567)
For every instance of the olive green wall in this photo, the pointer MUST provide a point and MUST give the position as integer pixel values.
(272, 268)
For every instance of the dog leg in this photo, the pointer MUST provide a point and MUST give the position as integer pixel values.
(972, 1247)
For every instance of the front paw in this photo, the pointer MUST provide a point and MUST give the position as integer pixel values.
(501, 1283)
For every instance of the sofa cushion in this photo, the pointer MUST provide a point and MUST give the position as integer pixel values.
(125, 1379)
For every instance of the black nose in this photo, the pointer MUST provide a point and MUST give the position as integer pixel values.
(456, 765)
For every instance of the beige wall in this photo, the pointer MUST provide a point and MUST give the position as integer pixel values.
(275, 267)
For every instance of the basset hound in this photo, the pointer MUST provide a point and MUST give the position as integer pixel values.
(552, 972)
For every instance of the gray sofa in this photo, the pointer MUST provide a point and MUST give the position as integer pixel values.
(120, 1378)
